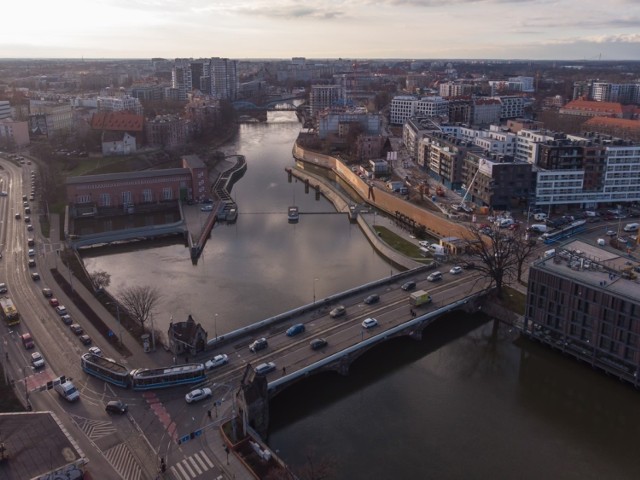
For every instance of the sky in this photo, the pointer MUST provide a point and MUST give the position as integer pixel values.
(324, 29)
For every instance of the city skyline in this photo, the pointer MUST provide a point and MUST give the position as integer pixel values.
(466, 29)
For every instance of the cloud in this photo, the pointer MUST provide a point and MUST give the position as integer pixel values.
(291, 11)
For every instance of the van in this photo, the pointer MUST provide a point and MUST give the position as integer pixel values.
(435, 276)
(68, 391)
(550, 253)
(631, 227)
(541, 217)
(436, 249)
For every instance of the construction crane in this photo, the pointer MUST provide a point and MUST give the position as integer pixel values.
(463, 204)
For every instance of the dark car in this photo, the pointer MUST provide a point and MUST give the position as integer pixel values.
(116, 406)
(85, 339)
(47, 292)
(35, 276)
(318, 343)
(76, 328)
(410, 285)
(259, 344)
(295, 329)
(373, 298)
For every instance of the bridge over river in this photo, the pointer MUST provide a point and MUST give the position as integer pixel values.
(346, 338)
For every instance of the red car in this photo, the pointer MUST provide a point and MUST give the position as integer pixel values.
(53, 301)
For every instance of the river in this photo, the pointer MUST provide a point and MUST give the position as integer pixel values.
(458, 404)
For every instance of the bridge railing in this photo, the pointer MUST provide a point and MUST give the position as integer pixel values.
(263, 324)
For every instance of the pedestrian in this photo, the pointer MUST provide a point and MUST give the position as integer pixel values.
(186, 359)
(209, 414)
(284, 370)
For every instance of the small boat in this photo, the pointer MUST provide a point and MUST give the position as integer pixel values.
(293, 214)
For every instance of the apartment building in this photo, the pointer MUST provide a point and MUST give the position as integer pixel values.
(330, 121)
(583, 300)
(120, 103)
(168, 131)
(403, 107)
(50, 118)
(5, 109)
(13, 134)
(325, 96)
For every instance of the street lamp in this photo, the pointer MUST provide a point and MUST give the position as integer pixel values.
(314, 290)
(215, 325)
(26, 389)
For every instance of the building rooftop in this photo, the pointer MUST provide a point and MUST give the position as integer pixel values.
(37, 443)
(596, 266)
(108, 177)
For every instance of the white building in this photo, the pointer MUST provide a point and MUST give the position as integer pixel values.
(403, 107)
(512, 106)
(330, 122)
(120, 103)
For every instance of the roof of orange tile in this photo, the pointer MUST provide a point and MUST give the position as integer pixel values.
(604, 107)
(613, 122)
(118, 121)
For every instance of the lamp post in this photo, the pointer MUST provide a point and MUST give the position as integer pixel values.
(26, 389)
(215, 325)
(314, 290)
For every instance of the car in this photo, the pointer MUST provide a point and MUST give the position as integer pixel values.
(18, 216)
(265, 368)
(66, 319)
(435, 276)
(339, 311)
(31, 242)
(76, 328)
(410, 285)
(3, 194)
(27, 341)
(295, 329)
(424, 243)
(369, 323)
(216, 361)
(30, 228)
(259, 344)
(35, 276)
(54, 302)
(206, 208)
(61, 310)
(47, 292)
(612, 233)
(27, 220)
(318, 343)
(197, 395)
(3, 288)
(455, 270)
(116, 406)
(31, 262)
(36, 360)
(371, 299)
(95, 351)
(85, 339)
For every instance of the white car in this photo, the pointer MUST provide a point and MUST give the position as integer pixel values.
(96, 351)
(369, 323)
(3, 288)
(31, 252)
(37, 360)
(206, 208)
(197, 395)
(424, 243)
(455, 270)
(216, 361)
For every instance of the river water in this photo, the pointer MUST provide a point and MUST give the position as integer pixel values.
(457, 405)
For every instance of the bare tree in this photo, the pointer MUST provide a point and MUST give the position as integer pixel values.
(495, 251)
(524, 249)
(100, 279)
(140, 301)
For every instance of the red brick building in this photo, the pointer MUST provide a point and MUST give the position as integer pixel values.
(87, 194)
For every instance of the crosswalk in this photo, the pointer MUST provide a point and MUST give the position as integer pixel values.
(123, 461)
(194, 466)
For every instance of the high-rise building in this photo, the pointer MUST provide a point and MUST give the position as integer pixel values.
(181, 78)
(224, 78)
(325, 96)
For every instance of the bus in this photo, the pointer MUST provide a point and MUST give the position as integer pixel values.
(148, 379)
(9, 311)
(106, 369)
(564, 232)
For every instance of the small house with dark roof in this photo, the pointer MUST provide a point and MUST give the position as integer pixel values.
(187, 337)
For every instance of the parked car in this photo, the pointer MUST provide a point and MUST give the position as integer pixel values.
(47, 292)
(61, 310)
(410, 285)
(295, 329)
(96, 351)
(197, 395)
(318, 343)
(338, 311)
(369, 323)
(31, 262)
(371, 299)
(216, 361)
(66, 319)
(116, 406)
(85, 339)
(27, 341)
(53, 301)
(76, 328)
(265, 368)
(3, 288)
(206, 208)
(259, 344)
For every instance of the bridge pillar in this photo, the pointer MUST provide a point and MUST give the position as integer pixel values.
(317, 187)
(416, 335)
(253, 399)
(343, 366)
(306, 185)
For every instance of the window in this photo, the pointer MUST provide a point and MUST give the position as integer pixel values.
(147, 195)
(105, 199)
(126, 198)
(167, 194)
(83, 199)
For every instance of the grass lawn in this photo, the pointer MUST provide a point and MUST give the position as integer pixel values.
(399, 244)
(514, 300)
